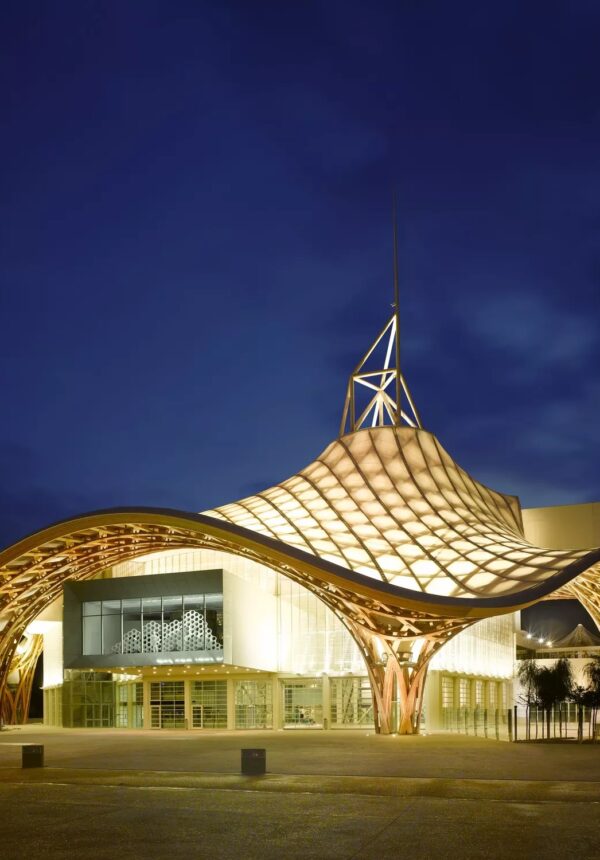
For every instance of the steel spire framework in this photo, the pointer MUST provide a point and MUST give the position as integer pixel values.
(377, 393)
(383, 388)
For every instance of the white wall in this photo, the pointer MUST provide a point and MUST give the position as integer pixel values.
(49, 624)
(249, 624)
(485, 649)
(53, 654)
(180, 560)
(564, 526)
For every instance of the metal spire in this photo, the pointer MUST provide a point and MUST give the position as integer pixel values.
(376, 387)
(397, 310)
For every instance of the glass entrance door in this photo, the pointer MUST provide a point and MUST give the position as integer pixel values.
(351, 702)
(209, 704)
(167, 705)
(253, 705)
(303, 703)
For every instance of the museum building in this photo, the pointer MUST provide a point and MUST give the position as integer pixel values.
(378, 588)
(203, 639)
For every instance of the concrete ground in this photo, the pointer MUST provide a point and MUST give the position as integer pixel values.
(123, 794)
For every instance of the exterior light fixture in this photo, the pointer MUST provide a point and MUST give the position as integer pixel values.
(529, 635)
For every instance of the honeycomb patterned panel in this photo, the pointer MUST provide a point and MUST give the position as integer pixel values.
(197, 636)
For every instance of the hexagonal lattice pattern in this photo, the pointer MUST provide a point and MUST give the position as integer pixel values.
(197, 636)
(391, 503)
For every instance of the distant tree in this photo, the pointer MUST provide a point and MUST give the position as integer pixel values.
(563, 681)
(592, 673)
(545, 686)
(580, 696)
(528, 672)
(547, 692)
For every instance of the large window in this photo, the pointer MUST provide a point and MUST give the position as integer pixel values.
(351, 702)
(153, 624)
(253, 705)
(209, 704)
(130, 705)
(167, 705)
(88, 701)
(447, 692)
(303, 703)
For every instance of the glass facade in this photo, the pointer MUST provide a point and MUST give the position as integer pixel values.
(313, 673)
(253, 705)
(209, 704)
(303, 703)
(312, 639)
(447, 692)
(351, 702)
(487, 648)
(167, 705)
(53, 706)
(130, 705)
(153, 625)
(88, 701)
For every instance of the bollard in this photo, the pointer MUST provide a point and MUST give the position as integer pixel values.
(32, 755)
(510, 730)
(254, 762)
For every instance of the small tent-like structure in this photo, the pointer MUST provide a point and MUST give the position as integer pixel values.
(580, 637)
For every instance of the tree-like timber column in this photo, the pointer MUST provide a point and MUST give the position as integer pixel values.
(7, 653)
(16, 696)
(391, 669)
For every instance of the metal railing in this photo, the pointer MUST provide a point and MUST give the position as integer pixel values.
(478, 722)
(567, 721)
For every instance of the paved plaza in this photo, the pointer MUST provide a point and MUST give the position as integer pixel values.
(126, 794)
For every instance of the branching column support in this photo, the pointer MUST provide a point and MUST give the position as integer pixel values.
(7, 652)
(411, 685)
(15, 691)
(392, 670)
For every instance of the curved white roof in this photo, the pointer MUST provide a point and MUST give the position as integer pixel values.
(391, 503)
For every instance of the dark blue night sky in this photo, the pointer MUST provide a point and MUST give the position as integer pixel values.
(196, 242)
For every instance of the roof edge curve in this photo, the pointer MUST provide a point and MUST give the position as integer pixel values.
(277, 554)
